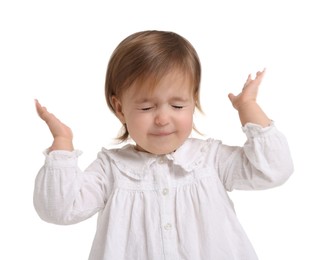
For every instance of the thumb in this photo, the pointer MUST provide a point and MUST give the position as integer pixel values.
(231, 97)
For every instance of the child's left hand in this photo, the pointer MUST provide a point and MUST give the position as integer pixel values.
(249, 91)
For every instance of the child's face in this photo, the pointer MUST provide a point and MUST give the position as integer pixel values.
(159, 121)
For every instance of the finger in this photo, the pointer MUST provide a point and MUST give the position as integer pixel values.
(40, 109)
(249, 78)
(247, 81)
(260, 74)
(43, 113)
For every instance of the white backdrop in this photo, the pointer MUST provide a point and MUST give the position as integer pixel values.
(57, 51)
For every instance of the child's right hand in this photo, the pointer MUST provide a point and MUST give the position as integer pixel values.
(62, 134)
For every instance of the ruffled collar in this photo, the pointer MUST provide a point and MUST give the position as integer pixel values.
(136, 164)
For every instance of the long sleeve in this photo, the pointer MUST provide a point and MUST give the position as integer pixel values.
(263, 162)
(63, 194)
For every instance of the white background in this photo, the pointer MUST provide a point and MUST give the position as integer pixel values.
(57, 51)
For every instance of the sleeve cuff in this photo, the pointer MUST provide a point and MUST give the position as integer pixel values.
(61, 158)
(253, 130)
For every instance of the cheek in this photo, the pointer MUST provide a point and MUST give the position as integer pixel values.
(186, 120)
(136, 122)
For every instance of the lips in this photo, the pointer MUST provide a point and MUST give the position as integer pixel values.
(161, 133)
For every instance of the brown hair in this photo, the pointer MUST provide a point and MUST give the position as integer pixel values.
(150, 55)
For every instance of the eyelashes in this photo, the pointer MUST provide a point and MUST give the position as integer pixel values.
(178, 107)
(146, 108)
(152, 107)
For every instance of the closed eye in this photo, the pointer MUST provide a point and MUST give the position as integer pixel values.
(145, 108)
(177, 107)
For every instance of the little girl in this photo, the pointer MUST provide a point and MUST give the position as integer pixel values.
(165, 196)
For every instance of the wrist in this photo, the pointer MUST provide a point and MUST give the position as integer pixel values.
(62, 143)
(251, 112)
(248, 105)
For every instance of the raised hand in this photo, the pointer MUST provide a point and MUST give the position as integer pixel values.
(249, 91)
(246, 102)
(62, 134)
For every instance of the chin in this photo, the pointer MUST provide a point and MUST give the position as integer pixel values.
(161, 150)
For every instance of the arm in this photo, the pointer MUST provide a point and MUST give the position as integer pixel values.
(248, 109)
(63, 194)
(62, 134)
(265, 160)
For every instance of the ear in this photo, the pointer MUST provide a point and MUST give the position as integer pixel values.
(117, 106)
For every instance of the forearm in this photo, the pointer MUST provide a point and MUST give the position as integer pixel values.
(63, 194)
(56, 189)
(251, 112)
(263, 162)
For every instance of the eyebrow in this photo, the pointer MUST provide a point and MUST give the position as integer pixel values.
(180, 99)
(173, 99)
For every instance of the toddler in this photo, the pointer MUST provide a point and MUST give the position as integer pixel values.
(164, 196)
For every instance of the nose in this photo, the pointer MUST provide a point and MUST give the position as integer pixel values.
(161, 117)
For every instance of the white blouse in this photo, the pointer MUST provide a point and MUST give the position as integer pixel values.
(174, 206)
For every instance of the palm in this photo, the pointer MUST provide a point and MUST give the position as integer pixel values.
(56, 127)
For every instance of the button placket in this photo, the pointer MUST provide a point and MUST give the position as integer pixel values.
(165, 198)
(167, 220)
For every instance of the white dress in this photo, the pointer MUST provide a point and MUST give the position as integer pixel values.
(174, 206)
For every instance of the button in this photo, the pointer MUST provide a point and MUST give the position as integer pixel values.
(168, 226)
(165, 191)
(161, 160)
